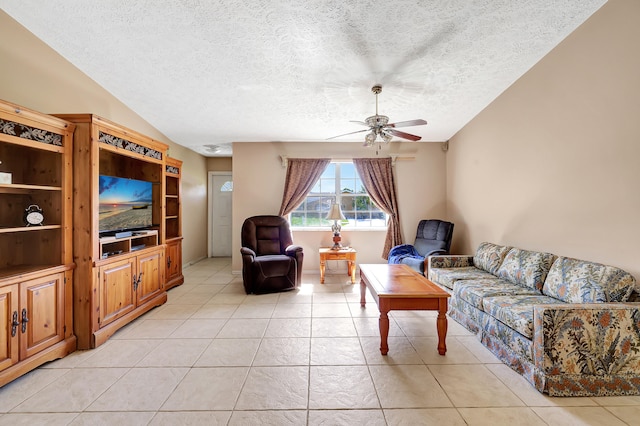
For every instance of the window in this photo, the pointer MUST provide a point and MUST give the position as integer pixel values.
(341, 184)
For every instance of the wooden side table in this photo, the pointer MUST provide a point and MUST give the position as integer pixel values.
(348, 254)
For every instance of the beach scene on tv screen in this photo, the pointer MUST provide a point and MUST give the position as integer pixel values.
(124, 204)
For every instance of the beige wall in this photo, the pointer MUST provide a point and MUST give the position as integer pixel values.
(552, 164)
(219, 164)
(258, 181)
(36, 77)
(194, 206)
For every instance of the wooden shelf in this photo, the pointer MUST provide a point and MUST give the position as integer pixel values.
(21, 270)
(111, 246)
(22, 189)
(4, 230)
(173, 223)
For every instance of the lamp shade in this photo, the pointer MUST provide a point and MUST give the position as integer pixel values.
(335, 213)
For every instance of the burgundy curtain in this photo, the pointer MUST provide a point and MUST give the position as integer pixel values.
(377, 178)
(302, 174)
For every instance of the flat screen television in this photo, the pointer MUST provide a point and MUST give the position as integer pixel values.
(125, 205)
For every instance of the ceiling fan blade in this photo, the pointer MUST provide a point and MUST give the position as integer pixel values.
(359, 122)
(345, 134)
(409, 123)
(403, 135)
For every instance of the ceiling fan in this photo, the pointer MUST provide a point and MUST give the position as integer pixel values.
(378, 125)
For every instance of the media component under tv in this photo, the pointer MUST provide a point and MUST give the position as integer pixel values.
(125, 205)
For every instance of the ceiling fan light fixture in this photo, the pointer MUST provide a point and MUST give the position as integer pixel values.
(370, 138)
(386, 137)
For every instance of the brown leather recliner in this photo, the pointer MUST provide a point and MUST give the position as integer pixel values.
(270, 261)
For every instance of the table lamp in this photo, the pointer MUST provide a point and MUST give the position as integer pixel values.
(336, 215)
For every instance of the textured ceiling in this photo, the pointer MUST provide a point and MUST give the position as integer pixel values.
(208, 73)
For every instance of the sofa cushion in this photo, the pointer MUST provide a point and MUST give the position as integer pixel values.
(516, 311)
(474, 291)
(448, 276)
(579, 281)
(513, 348)
(526, 268)
(466, 314)
(489, 256)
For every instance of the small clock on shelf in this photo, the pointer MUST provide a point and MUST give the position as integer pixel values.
(33, 215)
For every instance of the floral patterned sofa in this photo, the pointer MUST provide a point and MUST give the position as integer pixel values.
(568, 326)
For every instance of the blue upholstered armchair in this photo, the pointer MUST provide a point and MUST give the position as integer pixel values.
(433, 237)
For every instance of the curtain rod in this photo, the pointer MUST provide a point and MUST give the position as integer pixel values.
(394, 157)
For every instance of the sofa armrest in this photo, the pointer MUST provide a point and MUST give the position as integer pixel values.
(293, 250)
(245, 251)
(297, 253)
(597, 339)
(449, 261)
(248, 258)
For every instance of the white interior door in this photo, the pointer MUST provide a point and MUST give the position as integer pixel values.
(221, 191)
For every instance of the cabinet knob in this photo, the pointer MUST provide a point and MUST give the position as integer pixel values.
(25, 320)
(137, 281)
(14, 324)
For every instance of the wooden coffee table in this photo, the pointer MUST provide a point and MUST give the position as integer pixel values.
(398, 287)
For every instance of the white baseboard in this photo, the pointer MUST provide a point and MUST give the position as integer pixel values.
(193, 262)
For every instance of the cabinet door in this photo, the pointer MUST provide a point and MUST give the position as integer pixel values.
(117, 296)
(174, 260)
(150, 275)
(41, 314)
(8, 333)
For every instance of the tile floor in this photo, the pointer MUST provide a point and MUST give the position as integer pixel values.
(215, 356)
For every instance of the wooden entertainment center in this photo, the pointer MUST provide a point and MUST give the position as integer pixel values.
(36, 262)
(122, 276)
(63, 284)
(173, 223)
